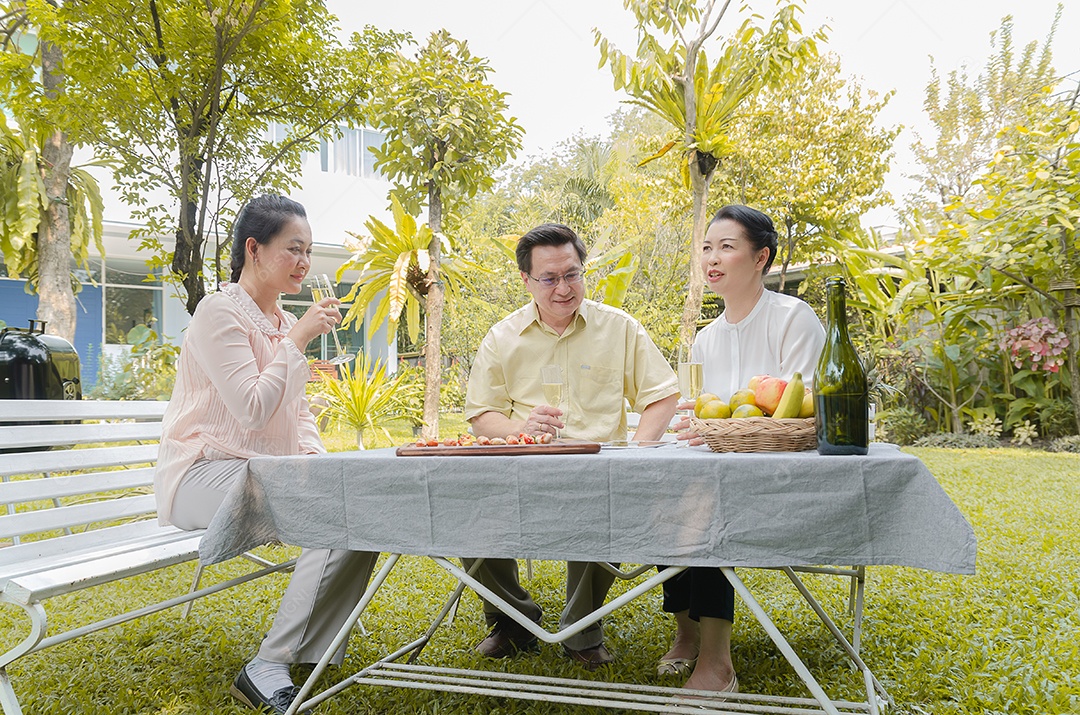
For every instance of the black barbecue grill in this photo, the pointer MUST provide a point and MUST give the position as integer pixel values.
(36, 366)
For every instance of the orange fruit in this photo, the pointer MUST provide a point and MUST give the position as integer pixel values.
(715, 410)
(702, 400)
(747, 411)
(742, 397)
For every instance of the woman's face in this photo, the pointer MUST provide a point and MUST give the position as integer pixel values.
(731, 264)
(282, 264)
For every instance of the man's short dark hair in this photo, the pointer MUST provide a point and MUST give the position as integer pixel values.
(548, 234)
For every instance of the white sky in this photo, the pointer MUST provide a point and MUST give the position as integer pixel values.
(543, 54)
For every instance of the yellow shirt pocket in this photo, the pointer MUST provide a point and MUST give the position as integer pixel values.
(599, 392)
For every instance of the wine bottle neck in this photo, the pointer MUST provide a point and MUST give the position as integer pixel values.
(837, 310)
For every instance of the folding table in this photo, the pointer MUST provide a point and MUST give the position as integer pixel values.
(678, 506)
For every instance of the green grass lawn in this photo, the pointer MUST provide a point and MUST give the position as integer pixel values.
(1003, 641)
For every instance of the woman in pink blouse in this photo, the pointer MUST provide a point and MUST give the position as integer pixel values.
(239, 394)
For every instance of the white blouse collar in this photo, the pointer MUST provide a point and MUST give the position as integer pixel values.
(761, 301)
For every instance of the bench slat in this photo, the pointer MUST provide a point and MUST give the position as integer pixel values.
(120, 541)
(75, 577)
(29, 490)
(12, 558)
(26, 410)
(41, 520)
(12, 436)
(66, 460)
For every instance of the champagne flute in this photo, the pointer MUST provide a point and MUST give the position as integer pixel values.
(321, 287)
(554, 384)
(691, 375)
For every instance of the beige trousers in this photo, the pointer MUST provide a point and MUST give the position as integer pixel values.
(587, 585)
(325, 586)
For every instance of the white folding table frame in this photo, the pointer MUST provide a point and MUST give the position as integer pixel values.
(388, 671)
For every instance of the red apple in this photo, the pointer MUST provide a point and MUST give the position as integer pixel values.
(768, 393)
(755, 381)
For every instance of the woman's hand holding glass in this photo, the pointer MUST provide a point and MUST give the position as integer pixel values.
(691, 375)
(682, 427)
(325, 298)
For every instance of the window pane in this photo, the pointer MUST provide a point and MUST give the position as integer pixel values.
(347, 153)
(132, 273)
(126, 308)
(85, 276)
(371, 139)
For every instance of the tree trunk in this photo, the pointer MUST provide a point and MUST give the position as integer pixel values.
(696, 283)
(1072, 331)
(360, 439)
(433, 308)
(187, 255)
(56, 299)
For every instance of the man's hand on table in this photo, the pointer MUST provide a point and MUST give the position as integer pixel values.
(543, 419)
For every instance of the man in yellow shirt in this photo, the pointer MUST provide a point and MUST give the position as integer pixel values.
(606, 357)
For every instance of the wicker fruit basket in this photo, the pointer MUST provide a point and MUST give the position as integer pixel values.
(757, 434)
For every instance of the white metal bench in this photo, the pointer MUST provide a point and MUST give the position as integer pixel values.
(77, 518)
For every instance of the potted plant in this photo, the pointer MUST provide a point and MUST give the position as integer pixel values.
(365, 398)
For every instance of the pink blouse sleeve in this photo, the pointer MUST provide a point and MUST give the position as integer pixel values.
(222, 346)
(310, 440)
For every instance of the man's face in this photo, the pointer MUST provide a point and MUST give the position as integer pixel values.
(557, 303)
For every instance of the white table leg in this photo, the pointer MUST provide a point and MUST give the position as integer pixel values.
(343, 634)
(781, 642)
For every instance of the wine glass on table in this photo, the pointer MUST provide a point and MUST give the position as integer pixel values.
(321, 288)
(691, 374)
(554, 384)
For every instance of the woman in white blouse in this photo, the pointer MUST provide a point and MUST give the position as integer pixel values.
(239, 393)
(759, 333)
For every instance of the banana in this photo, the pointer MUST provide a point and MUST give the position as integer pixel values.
(791, 400)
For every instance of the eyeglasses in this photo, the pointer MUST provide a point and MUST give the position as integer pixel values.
(571, 278)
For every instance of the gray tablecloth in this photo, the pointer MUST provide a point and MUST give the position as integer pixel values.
(665, 505)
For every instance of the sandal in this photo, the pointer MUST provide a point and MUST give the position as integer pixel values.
(676, 666)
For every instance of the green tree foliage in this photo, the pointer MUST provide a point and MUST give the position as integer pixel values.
(1026, 228)
(808, 153)
(991, 245)
(945, 320)
(46, 219)
(671, 76)
(1004, 199)
(446, 133)
(193, 91)
(973, 116)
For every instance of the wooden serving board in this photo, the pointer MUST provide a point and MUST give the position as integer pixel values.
(491, 450)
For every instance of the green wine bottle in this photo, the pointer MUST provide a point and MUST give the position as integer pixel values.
(841, 400)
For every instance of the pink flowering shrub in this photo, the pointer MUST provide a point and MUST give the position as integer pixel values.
(1039, 341)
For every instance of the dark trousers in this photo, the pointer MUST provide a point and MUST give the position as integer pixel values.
(704, 591)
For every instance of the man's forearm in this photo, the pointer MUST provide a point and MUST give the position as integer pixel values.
(495, 424)
(655, 419)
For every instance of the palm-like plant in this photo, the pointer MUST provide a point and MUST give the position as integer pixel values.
(24, 207)
(396, 261)
(368, 399)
